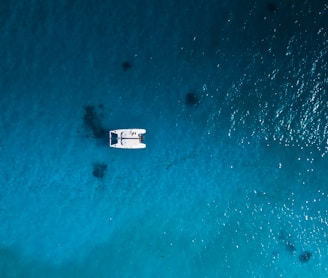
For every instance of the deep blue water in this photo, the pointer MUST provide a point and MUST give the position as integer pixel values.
(233, 182)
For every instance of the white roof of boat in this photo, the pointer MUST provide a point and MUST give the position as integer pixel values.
(127, 138)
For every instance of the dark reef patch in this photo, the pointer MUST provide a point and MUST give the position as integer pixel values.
(92, 120)
(99, 170)
(126, 66)
(290, 247)
(191, 99)
(272, 8)
(287, 240)
(305, 256)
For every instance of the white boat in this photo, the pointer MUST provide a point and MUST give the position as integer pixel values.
(131, 138)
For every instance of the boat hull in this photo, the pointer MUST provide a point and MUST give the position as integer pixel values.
(131, 138)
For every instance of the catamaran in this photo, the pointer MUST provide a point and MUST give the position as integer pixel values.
(131, 138)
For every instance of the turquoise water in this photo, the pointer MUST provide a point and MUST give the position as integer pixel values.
(233, 182)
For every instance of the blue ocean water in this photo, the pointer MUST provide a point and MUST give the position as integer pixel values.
(233, 182)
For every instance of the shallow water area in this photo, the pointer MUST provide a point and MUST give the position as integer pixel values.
(233, 180)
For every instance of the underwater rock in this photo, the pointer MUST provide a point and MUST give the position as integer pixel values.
(304, 256)
(283, 235)
(286, 239)
(290, 247)
(126, 65)
(92, 120)
(272, 8)
(99, 170)
(191, 99)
